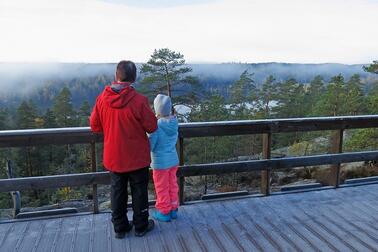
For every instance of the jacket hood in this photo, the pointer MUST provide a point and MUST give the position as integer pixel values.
(168, 125)
(118, 99)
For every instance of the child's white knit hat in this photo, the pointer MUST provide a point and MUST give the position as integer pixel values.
(163, 105)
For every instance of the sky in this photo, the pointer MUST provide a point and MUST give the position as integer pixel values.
(295, 31)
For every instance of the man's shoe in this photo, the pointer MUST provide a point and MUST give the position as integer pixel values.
(157, 215)
(151, 225)
(122, 234)
(173, 214)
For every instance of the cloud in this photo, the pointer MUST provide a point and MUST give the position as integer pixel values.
(158, 3)
(214, 31)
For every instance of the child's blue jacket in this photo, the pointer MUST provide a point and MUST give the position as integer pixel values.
(163, 144)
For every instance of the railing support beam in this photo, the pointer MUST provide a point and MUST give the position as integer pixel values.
(336, 147)
(266, 154)
(181, 179)
(94, 169)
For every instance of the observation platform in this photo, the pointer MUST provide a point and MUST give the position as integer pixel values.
(342, 219)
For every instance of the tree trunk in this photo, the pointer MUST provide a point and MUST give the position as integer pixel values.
(29, 163)
(168, 81)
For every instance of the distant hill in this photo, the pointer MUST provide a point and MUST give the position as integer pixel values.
(42, 81)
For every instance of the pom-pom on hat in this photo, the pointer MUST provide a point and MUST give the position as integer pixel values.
(163, 105)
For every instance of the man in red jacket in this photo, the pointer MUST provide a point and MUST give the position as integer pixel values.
(124, 116)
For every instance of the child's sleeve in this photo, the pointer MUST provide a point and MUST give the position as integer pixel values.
(153, 137)
(94, 120)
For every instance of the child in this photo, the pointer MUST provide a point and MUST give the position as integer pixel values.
(165, 160)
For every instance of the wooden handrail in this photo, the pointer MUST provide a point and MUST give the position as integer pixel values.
(76, 135)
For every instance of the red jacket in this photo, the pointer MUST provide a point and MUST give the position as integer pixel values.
(124, 118)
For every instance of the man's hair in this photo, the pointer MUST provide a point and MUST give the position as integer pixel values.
(126, 71)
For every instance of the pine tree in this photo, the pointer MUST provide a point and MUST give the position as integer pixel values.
(290, 99)
(332, 102)
(4, 119)
(355, 100)
(28, 157)
(166, 70)
(242, 91)
(26, 115)
(63, 110)
(265, 96)
(49, 119)
(84, 113)
(372, 68)
(313, 94)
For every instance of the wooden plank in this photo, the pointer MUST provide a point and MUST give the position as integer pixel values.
(320, 237)
(5, 229)
(339, 235)
(56, 136)
(220, 231)
(228, 226)
(32, 236)
(67, 237)
(29, 137)
(285, 236)
(295, 225)
(232, 216)
(81, 238)
(12, 238)
(365, 221)
(266, 154)
(163, 237)
(57, 181)
(267, 221)
(223, 128)
(200, 229)
(265, 233)
(184, 231)
(351, 232)
(100, 238)
(49, 239)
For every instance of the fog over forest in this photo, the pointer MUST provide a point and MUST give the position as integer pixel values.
(20, 80)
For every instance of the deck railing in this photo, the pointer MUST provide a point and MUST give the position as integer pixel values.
(33, 137)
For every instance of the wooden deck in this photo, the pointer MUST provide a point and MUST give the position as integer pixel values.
(345, 219)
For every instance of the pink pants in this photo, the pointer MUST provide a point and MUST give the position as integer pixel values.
(166, 189)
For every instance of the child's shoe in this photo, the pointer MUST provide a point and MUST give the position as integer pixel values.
(173, 214)
(157, 215)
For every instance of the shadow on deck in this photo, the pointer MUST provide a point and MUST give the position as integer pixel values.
(345, 219)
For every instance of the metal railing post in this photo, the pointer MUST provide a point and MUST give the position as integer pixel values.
(266, 154)
(94, 169)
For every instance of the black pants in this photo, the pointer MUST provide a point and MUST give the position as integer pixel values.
(139, 192)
